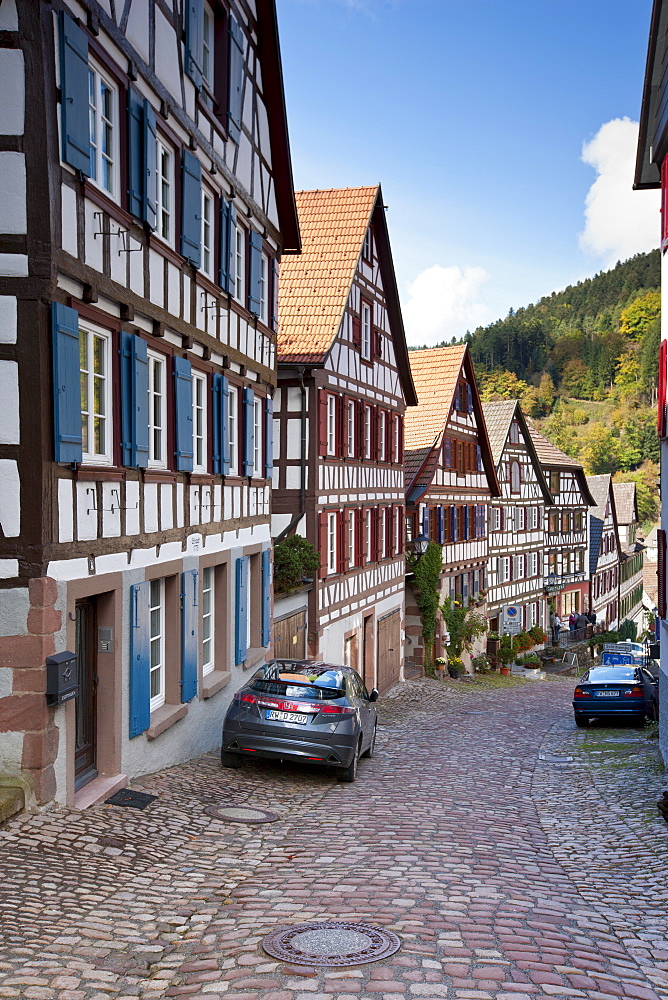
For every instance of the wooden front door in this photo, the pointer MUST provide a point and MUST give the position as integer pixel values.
(290, 637)
(85, 753)
(389, 650)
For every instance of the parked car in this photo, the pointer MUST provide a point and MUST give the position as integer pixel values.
(302, 710)
(626, 690)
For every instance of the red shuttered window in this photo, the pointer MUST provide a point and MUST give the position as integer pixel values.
(664, 203)
(322, 544)
(661, 572)
(322, 423)
(661, 390)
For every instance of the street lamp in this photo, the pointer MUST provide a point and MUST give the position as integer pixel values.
(420, 545)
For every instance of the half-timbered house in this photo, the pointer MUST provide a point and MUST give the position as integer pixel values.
(450, 478)
(516, 540)
(344, 382)
(631, 554)
(604, 553)
(146, 198)
(566, 572)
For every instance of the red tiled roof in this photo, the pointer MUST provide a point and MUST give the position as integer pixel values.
(435, 373)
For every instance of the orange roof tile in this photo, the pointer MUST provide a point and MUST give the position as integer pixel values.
(435, 372)
(314, 286)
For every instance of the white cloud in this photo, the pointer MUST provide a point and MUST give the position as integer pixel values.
(619, 221)
(444, 302)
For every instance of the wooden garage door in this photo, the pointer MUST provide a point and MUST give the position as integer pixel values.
(389, 650)
(290, 637)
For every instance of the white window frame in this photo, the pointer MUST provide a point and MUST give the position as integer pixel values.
(239, 263)
(208, 49)
(331, 541)
(97, 79)
(367, 246)
(164, 191)
(366, 322)
(520, 567)
(351, 539)
(383, 534)
(533, 564)
(264, 289)
(208, 229)
(200, 435)
(520, 519)
(157, 642)
(367, 432)
(397, 427)
(504, 569)
(368, 534)
(233, 429)
(88, 335)
(258, 472)
(496, 518)
(382, 419)
(331, 424)
(351, 428)
(208, 620)
(157, 461)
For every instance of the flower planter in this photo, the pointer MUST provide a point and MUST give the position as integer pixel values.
(504, 671)
(493, 646)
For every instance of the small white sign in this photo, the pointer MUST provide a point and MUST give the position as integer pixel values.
(194, 542)
(512, 619)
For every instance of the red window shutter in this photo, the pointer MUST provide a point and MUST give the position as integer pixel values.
(664, 200)
(359, 429)
(389, 530)
(374, 432)
(661, 572)
(661, 389)
(401, 535)
(341, 417)
(357, 331)
(359, 536)
(322, 423)
(400, 432)
(342, 539)
(377, 343)
(374, 533)
(322, 543)
(391, 430)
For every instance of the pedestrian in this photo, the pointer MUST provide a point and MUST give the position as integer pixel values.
(591, 616)
(555, 624)
(572, 621)
(581, 625)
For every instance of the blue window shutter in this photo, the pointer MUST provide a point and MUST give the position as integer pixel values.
(441, 525)
(183, 410)
(273, 317)
(269, 437)
(140, 658)
(221, 443)
(466, 523)
(453, 524)
(66, 385)
(193, 13)
(448, 453)
(478, 458)
(189, 634)
(191, 208)
(135, 154)
(74, 88)
(266, 597)
(235, 80)
(224, 269)
(254, 271)
(241, 609)
(225, 427)
(150, 167)
(216, 412)
(425, 522)
(134, 401)
(249, 431)
(469, 398)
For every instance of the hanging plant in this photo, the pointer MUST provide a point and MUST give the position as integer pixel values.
(427, 583)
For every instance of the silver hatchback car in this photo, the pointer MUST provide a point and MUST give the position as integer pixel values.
(302, 710)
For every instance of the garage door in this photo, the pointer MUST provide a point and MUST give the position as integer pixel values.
(389, 650)
(290, 637)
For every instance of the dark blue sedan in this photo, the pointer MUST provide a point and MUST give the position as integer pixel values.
(625, 691)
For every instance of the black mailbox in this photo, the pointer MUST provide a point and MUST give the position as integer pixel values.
(62, 682)
(654, 650)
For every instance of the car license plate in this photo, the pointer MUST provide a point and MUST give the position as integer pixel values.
(272, 713)
(607, 694)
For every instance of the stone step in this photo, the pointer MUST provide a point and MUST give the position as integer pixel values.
(12, 801)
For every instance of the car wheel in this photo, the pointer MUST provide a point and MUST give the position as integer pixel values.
(350, 773)
(228, 759)
(371, 749)
(581, 721)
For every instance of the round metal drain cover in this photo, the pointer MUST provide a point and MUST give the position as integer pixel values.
(331, 943)
(241, 814)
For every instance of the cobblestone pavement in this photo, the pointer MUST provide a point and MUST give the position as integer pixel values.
(516, 857)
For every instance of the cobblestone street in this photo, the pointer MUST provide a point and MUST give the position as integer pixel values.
(515, 856)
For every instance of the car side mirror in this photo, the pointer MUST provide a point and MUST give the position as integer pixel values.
(374, 695)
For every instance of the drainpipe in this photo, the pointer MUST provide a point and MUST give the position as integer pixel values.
(302, 487)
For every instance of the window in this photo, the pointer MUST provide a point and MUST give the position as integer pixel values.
(165, 192)
(553, 479)
(351, 538)
(258, 471)
(381, 434)
(208, 594)
(103, 129)
(208, 53)
(367, 245)
(383, 533)
(397, 442)
(199, 422)
(514, 477)
(504, 569)
(553, 522)
(368, 534)
(366, 331)
(95, 388)
(519, 567)
(520, 519)
(157, 410)
(331, 425)
(331, 543)
(497, 520)
(157, 643)
(533, 564)
(237, 279)
(351, 428)
(207, 234)
(514, 433)
(232, 429)
(264, 289)
(367, 432)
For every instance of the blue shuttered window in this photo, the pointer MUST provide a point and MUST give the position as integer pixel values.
(478, 458)
(183, 411)
(441, 525)
(254, 272)
(193, 15)
(140, 658)
(425, 522)
(221, 445)
(466, 522)
(249, 431)
(269, 437)
(235, 80)
(266, 597)
(189, 634)
(447, 451)
(469, 398)
(228, 218)
(150, 165)
(134, 401)
(453, 524)
(241, 609)
(142, 159)
(191, 208)
(273, 312)
(66, 388)
(74, 87)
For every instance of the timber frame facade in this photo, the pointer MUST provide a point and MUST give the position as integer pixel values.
(631, 554)
(343, 385)
(604, 553)
(147, 198)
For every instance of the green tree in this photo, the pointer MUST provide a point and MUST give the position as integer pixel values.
(294, 559)
(640, 314)
(627, 375)
(546, 393)
(600, 450)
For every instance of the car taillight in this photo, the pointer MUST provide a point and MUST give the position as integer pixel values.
(250, 698)
(634, 692)
(579, 693)
(337, 710)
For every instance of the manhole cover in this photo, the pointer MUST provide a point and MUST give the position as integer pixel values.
(130, 798)
(331, 943)
(241, 814)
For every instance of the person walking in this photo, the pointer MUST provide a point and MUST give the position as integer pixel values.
(572, 621)
(555, 625)
(581, 626)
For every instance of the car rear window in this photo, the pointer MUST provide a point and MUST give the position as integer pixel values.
(317, 683)
(597, 674)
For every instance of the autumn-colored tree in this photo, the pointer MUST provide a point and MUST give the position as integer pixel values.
(599, 451)
(627, 375)
(576, 379)
(501, 384)
(639, 315)
(546, 393)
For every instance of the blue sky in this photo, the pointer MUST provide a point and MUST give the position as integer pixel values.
(473, 115)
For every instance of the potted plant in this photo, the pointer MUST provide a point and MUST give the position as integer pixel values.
(506, 654)
(441, 666)
(455, 667)
(493, 643)
(481, 664)
(538, 635)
